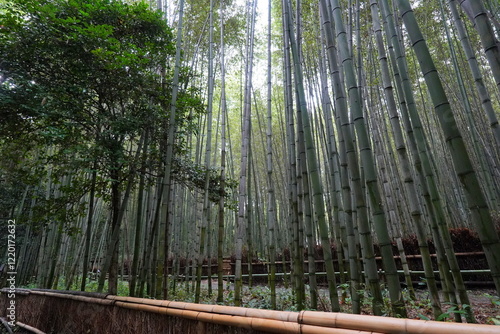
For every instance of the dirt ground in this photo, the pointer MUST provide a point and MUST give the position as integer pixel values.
(484, 302)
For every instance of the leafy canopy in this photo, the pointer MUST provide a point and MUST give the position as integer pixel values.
(81, 82)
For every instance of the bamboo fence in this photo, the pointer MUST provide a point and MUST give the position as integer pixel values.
(201, 318)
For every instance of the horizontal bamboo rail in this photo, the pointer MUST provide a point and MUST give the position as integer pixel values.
(321, 261)
(5, 325)
(273, 321)
(29, 328)
(408, 256)
(417, 272)
(322, 273)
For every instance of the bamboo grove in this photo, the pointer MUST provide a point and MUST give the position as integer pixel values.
(251, 131)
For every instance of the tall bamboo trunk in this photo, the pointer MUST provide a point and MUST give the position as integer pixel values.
(88, 232)
(419, 147)
(410, 189)
(355, 199)
(208, 149)
(463, 167)
(368, 164)
(172, 127)
(484, 28)
(307, 214)
(484, 96)
(312, 165)
(295, 255)
(245, 146)
(220, 230)
(271, 200)
(139, 221)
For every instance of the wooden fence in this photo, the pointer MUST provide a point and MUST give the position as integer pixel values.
(473, 266)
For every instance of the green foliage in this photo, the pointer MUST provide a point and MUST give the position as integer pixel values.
(182, 294)
(423, 317)
(193, 175)
(451, 311)
(81, 82)
(495, 300)
(198, 13)
(258, 297)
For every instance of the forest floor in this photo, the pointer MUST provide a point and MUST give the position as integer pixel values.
(485, 306)
(484, 302)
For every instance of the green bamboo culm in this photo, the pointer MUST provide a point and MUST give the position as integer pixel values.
(206, 203)
(487, 35)
(368, 163)
(297, 256)
(220, 230)
(422, 159)
(313, 170)
(410, 187)
(244, 164)
(271, 211)
(350, 167)
(475, 71)
(481, 215)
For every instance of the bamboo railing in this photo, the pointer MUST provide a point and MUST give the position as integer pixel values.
(29, 328)
(267, 321)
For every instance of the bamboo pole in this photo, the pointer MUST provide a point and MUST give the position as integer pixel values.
(29, 328)
(229, 310)
(390, 325)
(5, 324)
(80, 298)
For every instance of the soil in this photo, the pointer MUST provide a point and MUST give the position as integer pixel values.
(485, 306)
